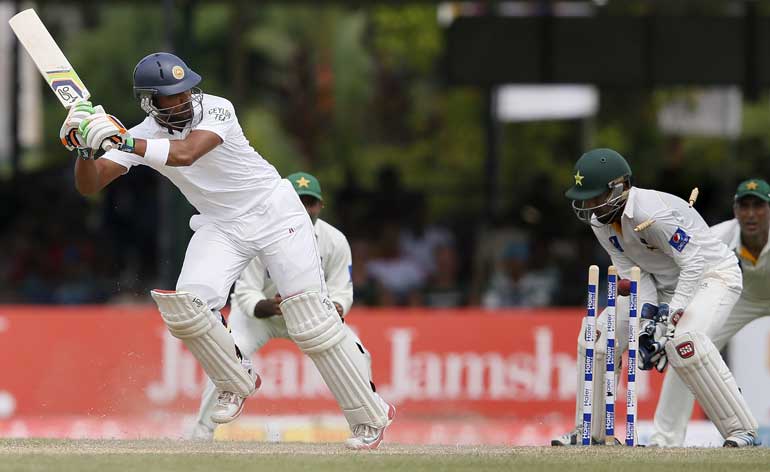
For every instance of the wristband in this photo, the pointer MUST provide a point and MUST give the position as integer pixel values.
(156, 151)
(127, 145)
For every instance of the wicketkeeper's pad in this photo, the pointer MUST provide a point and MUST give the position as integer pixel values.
(702, 369)
(189, 318)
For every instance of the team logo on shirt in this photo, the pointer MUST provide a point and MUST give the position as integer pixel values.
(679, 240)
(219, 113)
(615, 242)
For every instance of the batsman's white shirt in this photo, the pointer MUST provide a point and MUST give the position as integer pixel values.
(229, 181)
(245, 210)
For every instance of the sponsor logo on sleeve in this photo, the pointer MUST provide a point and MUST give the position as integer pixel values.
(679, 240)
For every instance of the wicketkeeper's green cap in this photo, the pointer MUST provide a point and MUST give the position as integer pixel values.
(306, 184)
(754, 187)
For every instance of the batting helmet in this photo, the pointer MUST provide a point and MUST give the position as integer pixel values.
(163, 74)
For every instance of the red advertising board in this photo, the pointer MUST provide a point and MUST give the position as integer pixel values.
(104, 361)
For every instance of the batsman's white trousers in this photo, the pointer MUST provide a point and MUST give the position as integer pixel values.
(676, 401)
(281, 234)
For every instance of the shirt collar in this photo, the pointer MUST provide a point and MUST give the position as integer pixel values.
(628, 211)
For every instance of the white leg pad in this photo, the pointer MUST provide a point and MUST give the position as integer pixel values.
(314, 325)
(188, 318)
(699, 365)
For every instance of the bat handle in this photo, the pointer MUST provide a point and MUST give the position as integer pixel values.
(107, 145)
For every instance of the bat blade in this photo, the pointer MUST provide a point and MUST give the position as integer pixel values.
(49, 58)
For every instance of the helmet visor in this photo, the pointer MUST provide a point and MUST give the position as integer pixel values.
(177, 117)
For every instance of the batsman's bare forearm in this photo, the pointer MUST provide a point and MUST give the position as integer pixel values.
(92, 176)
(86, 177)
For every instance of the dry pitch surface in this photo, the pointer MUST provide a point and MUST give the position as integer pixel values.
(188, 456)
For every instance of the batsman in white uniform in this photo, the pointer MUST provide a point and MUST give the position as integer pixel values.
(746, 235)
(256, 316)
(245, 210)
(683, 265)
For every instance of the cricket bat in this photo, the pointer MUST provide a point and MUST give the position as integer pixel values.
(48, 57)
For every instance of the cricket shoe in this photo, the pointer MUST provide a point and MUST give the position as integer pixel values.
(368, 437)
(201, 432)
(575, 438)
(747, 439)
(229, 404)
(568, 439)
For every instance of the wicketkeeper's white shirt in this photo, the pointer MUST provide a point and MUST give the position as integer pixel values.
(677, 250)
(229, 181)
(756, 273)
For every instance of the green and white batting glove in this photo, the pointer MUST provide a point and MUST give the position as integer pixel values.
(103, 132)
(68, 133)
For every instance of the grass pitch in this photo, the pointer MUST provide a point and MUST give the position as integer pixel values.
(189, 456)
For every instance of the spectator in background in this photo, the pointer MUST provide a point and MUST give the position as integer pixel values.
(397, 278)
(356, 207)
(445, 289)
(391, 199)
(420, 239)
(364, 286)
(514, 284)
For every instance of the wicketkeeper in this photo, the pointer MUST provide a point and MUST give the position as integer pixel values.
(684, 267)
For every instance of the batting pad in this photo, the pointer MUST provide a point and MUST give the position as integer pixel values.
(699, 365)
(314, 325)
(190, 319)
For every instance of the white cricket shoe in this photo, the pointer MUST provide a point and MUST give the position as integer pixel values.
(229, 404)
(369, 437)
(568, 439)
(747, 439)
(575, 438)
(201, 432)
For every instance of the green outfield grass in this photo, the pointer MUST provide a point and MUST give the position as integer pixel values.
(185, 456)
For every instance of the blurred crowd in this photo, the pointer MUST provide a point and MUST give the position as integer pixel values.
(61, 248)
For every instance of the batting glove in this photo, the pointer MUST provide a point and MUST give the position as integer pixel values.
(103, 132)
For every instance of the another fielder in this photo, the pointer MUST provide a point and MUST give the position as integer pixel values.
(256, 315)
(747, 236)
(683, 265)
(245, 210)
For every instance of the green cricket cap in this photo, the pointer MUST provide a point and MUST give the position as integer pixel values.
(305, 184)
(755, 187)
